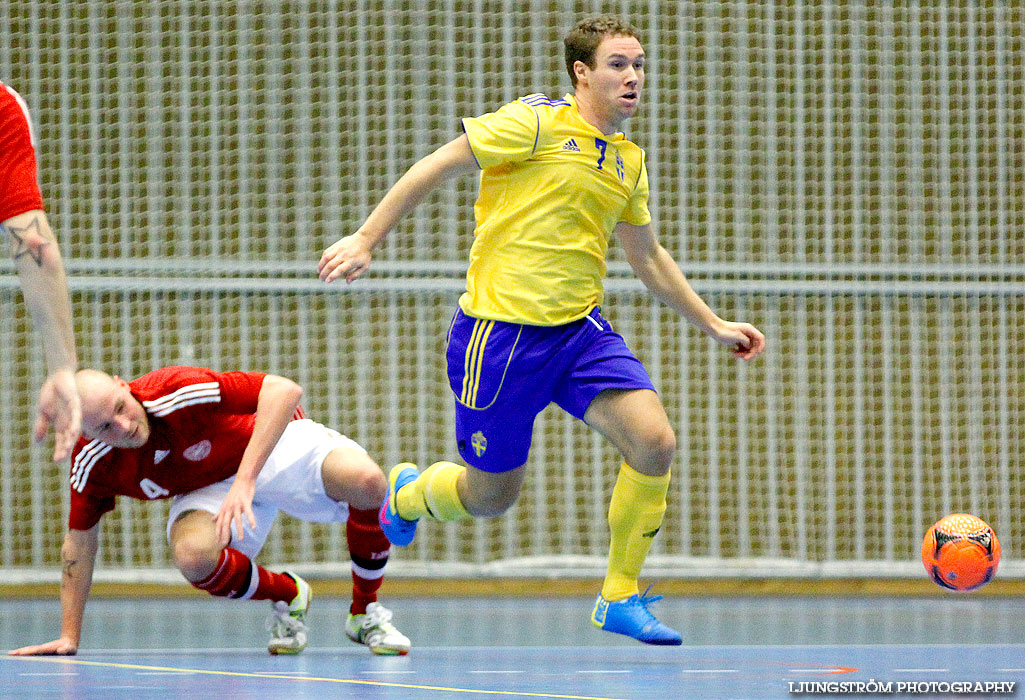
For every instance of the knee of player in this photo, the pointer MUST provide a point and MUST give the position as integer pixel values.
(659, 447)
(666, 443)
(195, 557)
(369, 488)
(353, 477)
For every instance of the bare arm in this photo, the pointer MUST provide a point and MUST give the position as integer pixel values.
(78, 556)
(278, 399)
(663, 277)
(33, 247)
(349, 257)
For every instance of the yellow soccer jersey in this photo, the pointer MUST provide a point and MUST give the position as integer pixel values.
(552, 188)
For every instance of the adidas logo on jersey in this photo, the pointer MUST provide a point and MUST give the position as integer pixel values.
(571, 145)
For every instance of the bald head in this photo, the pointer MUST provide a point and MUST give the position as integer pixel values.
(93, 382)
(109, 410)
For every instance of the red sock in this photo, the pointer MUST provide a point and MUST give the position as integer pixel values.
(233, 578)
(368, 549)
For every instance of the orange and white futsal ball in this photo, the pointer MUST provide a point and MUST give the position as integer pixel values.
(961, 552)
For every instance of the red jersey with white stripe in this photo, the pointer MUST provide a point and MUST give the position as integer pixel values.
(19, 190)
(200, 423)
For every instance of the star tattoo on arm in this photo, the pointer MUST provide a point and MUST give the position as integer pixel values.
(28, 240)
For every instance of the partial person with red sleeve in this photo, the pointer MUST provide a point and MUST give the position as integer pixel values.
(33, 247)
(231, 449)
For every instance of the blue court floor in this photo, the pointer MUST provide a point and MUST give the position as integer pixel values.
(520, 648)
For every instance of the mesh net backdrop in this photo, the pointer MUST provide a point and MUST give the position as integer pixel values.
(848, 176)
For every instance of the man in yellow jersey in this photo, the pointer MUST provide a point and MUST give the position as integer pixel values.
(557, 179)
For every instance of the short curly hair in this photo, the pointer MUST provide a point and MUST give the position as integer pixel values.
(582, 40)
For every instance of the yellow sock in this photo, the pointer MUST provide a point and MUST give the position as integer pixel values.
(433, 494)
(635, 516)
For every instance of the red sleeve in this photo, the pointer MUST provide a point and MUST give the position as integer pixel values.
(19, 190)
(86, 511)
(88, 502)
(240, 391)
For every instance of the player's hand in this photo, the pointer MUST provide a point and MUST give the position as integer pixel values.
(237, 503)
(58, 647)
(743, 339)
(348, 257)
(59, 406)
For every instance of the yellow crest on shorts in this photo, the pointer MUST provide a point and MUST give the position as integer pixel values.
(479, 442)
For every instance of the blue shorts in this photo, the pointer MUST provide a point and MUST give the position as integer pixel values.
(504, 374)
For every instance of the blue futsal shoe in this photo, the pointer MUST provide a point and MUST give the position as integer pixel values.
(397, 529)
(632, 618)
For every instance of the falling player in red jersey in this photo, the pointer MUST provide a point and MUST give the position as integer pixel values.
(231, 449)
(33, 247)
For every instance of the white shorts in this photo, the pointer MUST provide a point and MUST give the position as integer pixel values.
(291, 481)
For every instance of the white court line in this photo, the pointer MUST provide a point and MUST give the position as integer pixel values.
(496, 671)
(604, 671)
(172, 651)
(47, 674)
(386, 672)
(921, 670)
(1011, 670)
(710, 670)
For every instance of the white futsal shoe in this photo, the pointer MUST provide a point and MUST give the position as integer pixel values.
(287, 621)
(376, 631)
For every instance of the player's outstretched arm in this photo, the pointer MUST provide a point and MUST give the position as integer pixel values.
(664, 278)
(33, 247)
(349, 257)
(79, 556)
(279, 397)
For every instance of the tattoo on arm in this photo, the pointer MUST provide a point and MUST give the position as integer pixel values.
(69, 566)
(28, 240)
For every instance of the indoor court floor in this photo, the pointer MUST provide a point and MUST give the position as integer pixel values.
(734, 647)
